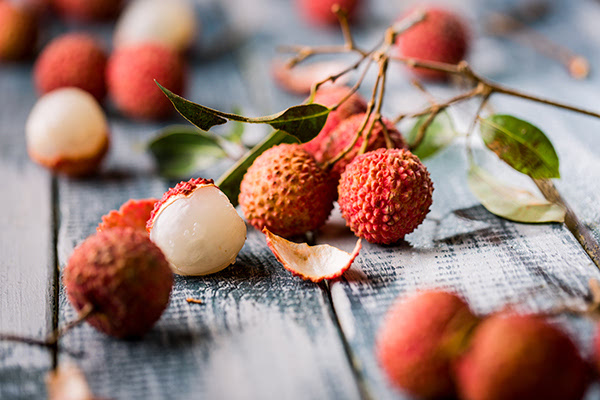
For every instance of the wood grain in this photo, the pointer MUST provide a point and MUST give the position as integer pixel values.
(26, 244)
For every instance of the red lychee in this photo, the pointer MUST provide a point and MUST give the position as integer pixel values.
(344, 134)
(385, 194)
(443, 36)
(88, 10)
(520, 357)
(419, 339)
(329, 97)
(18, 32)
(132, 214)
(319, 12)
(124, 277)
(286, 191)
(131, 73)
(74, 59)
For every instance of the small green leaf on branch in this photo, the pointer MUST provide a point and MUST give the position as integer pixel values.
(303, 121)
(511, 202)
(521, 145)
(181, 150)
(439, 134)
(229, 182)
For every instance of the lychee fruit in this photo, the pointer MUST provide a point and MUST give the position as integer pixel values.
(171, 23)
(443, 37)
(285, 191)
(131, 73)
(330, 96)
(124, 277)
(132, 214)
(319, 12)
(88, 10)
(520, 357)
(18, 32)
(418, 340)
(73, 59)
(197, 228)
(67, 132)
(385, 194)
(344, 134)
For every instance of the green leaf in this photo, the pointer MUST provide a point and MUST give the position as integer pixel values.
(521, 145)
(512, 202)
(439, 134)
(181, 150)
(229, 182)
(237, 130)
(303, 121)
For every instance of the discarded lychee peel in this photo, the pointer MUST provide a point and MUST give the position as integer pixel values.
(67, 382)
(133, 214)
(182, 189)
(313, 263)
(301, 78)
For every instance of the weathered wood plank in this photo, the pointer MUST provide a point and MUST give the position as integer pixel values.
(26, 244)
(464, 248)
(260, 333)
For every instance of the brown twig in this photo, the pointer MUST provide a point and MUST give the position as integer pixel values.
(193, 300)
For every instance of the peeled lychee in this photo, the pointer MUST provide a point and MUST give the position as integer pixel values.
(171, 23)
(319, 12)
(285, 191)
(443, 37)
(124, 277)
(385, 194)
(67, 132)
(73, 59)
(18, 31)
(344, 134)
(88, 10)
(130, 76)
(419, 339)
(329, 97)
(197, 228)
(520, 357)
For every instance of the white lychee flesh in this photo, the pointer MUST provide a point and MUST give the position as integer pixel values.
(200, 233)
(66, 125)
(172, 23)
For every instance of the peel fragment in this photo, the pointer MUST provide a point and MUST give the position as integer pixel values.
(67, 382)
(313, 263)
(132, 214)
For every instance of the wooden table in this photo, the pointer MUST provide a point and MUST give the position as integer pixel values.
(260, 332)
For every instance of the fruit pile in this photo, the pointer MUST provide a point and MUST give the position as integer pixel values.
(150, 42)
(432, 346)
(384, 194)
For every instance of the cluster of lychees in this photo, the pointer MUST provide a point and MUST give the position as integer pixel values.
(384, 193)
(67, 129)
(433, 346)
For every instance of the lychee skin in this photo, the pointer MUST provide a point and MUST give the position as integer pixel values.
(18, 32)
(419, 339)
(385, 194)
(318, 12)
(329, 97)
(443, 37)
(131, 73)
(286, 191)
(88, 10)
(124, 276)
(345, 133)
(520, 357)
(73, 59)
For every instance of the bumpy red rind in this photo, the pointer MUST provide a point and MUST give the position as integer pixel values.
(133, 214)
